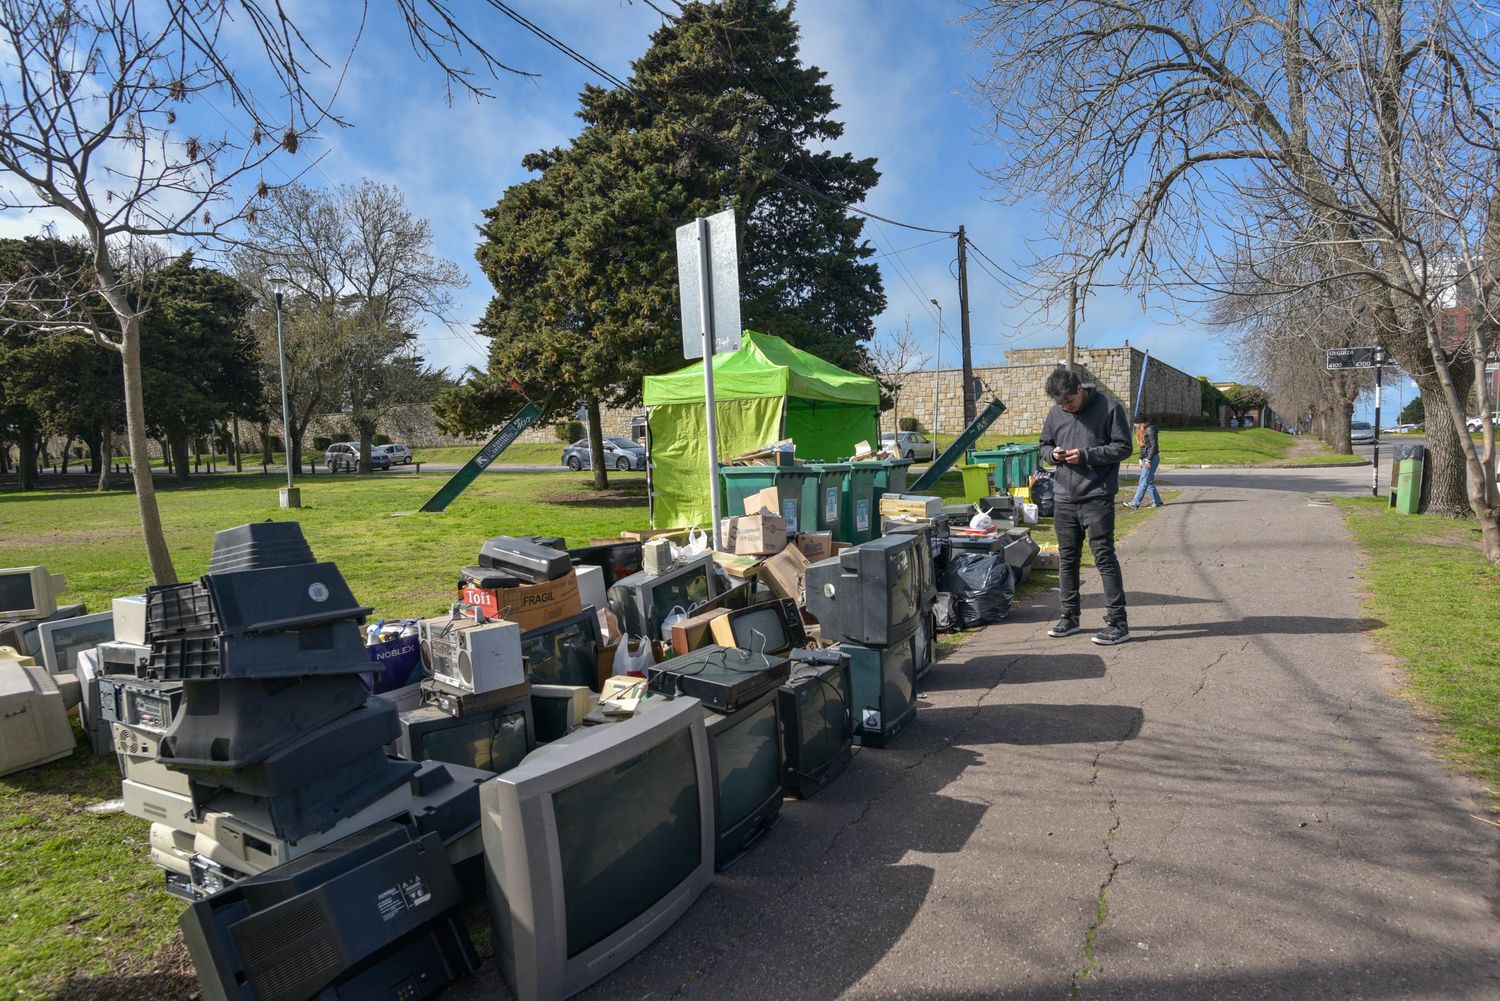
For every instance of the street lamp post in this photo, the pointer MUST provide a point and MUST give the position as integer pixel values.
(290, 496)
(937, 370)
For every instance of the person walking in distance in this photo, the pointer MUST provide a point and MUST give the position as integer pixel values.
(1145, 440)
(1086, 436)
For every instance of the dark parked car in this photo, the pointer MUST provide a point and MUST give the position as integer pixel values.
(619, 453)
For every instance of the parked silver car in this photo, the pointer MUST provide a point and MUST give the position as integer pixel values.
(619, 453)
(345, 455)
(1361, 432)
(400, 455)
(909, 445)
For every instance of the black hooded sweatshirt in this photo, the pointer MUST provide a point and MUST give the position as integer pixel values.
(1101, 432)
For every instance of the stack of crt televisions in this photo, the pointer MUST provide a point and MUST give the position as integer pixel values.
(875, 600)
(272, 787)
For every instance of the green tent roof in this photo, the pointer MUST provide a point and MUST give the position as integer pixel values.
(764, 367)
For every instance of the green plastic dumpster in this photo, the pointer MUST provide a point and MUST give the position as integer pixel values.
(891, 478)
(859, 518)
(790, 482)
(998, 460)
(823, 497)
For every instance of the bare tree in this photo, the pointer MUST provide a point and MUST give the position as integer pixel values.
(1153, 129)
(897, 355)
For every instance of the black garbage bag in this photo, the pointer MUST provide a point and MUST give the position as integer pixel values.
(1041, 494)
(982, 587)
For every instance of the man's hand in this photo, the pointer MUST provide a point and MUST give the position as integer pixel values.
(1072, 456)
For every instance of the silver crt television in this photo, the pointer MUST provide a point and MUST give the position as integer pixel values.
(595, 844)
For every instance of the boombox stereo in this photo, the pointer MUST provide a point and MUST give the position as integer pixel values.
(472, 656)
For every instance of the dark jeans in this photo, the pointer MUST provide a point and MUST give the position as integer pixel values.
(1096, 517)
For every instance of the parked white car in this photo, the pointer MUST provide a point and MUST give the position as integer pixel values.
(1474, 423)
(400, 455)
(909, 445)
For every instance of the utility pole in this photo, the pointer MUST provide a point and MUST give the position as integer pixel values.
(963, 312)
(1072, 322)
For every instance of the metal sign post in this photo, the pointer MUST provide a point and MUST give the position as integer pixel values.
(709, 282)
(1340, 359)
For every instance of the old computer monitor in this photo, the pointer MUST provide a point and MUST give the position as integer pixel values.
(870, 594)
(29, 592)
(595, 844)
(772, 627)
(494, 740)
(618, 560)
(62, 640)
(746, 747)
(565, 652)
(817, 729)
(882, 689)
(642, 601)
(558, 710)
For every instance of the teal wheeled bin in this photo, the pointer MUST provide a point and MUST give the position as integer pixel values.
(823, 497)
(860, 519)
(790, 482)
(891, 479)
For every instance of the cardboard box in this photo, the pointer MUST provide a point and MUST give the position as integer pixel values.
(737, 566)
(785, 574)
(911, 505)
(531, 606)
(815, 545)
(759, 535)
(1047, 559)
(693, 632)
(678, 535)
(763, 500)
(728, 532)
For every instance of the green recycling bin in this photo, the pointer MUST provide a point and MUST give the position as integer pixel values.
(1023, 461)
(823, 497)
(998, 460)
(741, 482)
(977, 481)
(860, 518)
(891, 478)
(1409, 485)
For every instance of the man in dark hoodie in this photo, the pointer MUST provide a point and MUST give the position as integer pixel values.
(1086, 436)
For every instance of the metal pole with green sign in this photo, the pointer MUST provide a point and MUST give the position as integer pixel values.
(486, 455)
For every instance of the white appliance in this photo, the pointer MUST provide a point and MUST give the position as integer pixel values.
(130, 618)
(34, 726)
(472, 656)
(591, 589)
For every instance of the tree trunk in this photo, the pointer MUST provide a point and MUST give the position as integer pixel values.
(106, 456)
(1340, 413)
(366, 434)
(178, 442)
(238, 457)
(26, 444)
(67, 450)
(93, 440)
(4, 456)
(157, 554)
(596, 446)
(1444, 491)
(266, 452)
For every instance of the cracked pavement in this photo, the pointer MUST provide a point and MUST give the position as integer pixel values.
(1232, 805)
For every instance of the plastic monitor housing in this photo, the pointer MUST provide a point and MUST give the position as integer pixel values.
(485, 739)
(559, 709)
(643, 600)
(34, 727)
(62, 640)
(564, 652)
(29, 592)
(883, 689)
(772, 627)
(871, 594)
(817, 728)
(528, 853)
(746, 747)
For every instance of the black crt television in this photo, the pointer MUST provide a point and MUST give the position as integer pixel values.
(870, 594)
(882, 688)
(564, 652)
(618, 560)
(494, 740)
(772, 627)
(641, 601)
(746, 751)
(925, 648)
(817, 727)
(373, 915)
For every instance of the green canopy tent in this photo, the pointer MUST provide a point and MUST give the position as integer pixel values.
(765, 391)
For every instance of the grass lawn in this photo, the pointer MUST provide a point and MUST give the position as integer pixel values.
(1426, 578)
(1216, 447)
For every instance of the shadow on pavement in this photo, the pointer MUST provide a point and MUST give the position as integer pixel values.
(1036, 723)
(1139, 598)
(1028, 670)
(1259, 625)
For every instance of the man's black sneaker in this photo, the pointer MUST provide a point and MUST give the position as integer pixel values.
(1110, 635)
(1064, 627)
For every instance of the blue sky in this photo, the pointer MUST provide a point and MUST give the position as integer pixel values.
(900, 71)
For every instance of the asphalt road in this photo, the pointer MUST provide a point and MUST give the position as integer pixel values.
(1231, 806)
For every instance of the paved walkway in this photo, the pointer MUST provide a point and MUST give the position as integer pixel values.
(1230, 806)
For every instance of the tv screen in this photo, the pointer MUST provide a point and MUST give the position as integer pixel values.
(824, 717)
(747, 761)
(618, 560)
(595, 845)
(898, 668)
(817, 731)
(760, 629)
(15, 592)
(627, 836)
(564, 653)
(643, 600)
(29, 592)
(495, 740)
(62, 640)
(685, 591)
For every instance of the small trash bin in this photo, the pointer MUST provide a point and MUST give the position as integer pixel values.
(978, 481)
(823, 497)
(859, 521)
(1021, 462)
(741, 482)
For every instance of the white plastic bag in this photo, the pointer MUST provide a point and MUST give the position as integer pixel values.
(981, 522)
(676, 615)
(697, 545)
(634, 662)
